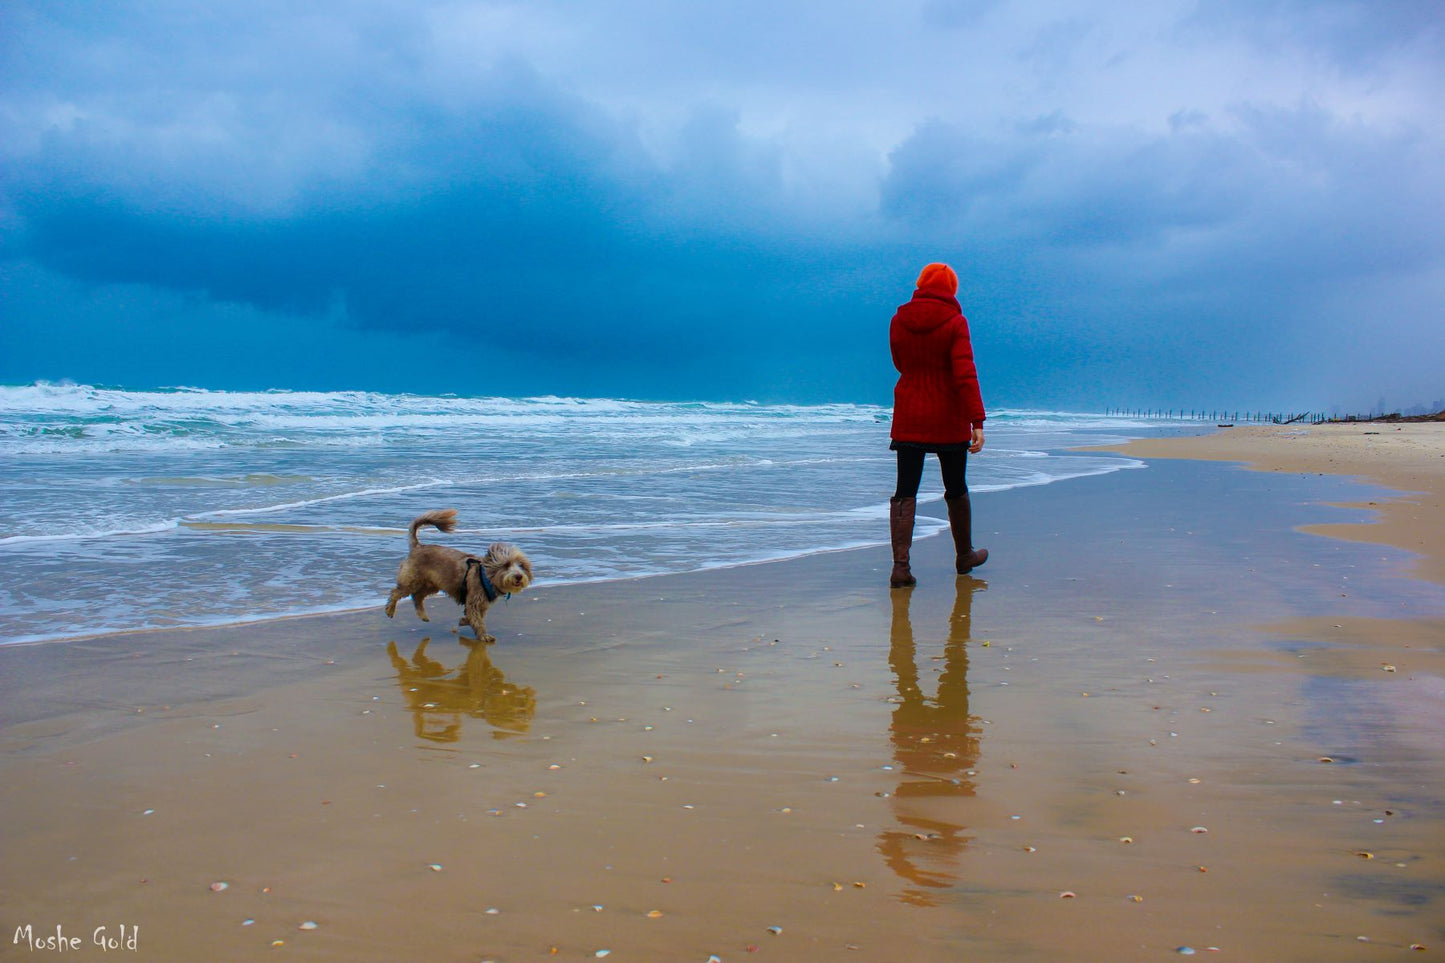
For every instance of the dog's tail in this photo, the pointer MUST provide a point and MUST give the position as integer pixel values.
(444, 519)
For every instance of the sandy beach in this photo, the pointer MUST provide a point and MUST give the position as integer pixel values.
(1188, 706)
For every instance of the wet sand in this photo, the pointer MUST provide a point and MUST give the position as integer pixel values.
(784, 761)
(1407, 458)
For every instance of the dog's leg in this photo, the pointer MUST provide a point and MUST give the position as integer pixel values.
(475, 615)
(397, 594)
(480, 627)
(419, 600)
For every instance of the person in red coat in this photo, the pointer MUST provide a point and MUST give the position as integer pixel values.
(936, 408)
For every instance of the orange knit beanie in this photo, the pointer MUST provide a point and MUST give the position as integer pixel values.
(938, 278)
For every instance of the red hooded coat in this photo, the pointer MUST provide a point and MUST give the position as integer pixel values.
(936, 400)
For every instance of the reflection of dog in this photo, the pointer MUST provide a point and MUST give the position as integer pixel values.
(440, 698)
(474, 583)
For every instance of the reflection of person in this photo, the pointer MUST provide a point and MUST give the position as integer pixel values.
(439, 698)
(936, 408)
(935, 747)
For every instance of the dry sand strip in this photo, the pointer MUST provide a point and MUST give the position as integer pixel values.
(1409, 458)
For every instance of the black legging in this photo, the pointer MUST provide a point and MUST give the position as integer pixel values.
(910, 472)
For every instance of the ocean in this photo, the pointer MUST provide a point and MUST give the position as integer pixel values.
(123, 510)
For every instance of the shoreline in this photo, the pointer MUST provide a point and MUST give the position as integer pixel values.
(354, 610)
(784, 759)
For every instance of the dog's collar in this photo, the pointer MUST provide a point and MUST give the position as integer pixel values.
(487, 586)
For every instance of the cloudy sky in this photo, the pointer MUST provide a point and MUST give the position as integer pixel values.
(1167, 203)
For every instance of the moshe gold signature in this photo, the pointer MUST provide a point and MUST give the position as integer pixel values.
(122, 938)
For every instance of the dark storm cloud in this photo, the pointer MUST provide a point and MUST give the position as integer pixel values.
(519, 214)
(656, 198)
(536, 223)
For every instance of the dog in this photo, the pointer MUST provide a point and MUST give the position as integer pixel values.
(473, 582)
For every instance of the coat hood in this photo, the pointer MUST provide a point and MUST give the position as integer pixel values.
(926, 311)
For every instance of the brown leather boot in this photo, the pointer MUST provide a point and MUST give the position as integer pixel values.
(960, 521)
(900, 527)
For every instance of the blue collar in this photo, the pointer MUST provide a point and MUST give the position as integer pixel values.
(487, 586)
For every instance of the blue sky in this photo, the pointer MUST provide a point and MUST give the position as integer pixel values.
(1227, 203)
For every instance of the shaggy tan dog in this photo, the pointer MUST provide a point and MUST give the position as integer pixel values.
(473, 582)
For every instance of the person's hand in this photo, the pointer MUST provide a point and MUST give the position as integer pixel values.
(976, 444)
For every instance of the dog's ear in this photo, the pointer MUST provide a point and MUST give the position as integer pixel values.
(499, 551)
